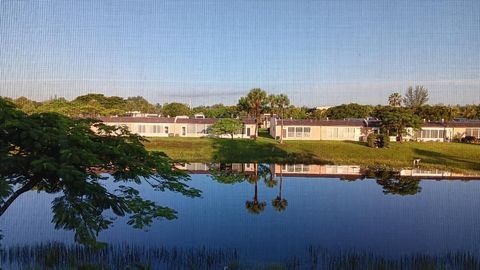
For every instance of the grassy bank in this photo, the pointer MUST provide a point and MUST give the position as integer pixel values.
(449, 156)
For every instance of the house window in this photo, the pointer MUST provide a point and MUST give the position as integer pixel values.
(291, 132)
(306, 168)
(432, 134)
(184, 131)
(475, 132)
(298, 132)
(290, 168)
(166, 129)
(157, 129)
(306, 131)
(141, 128)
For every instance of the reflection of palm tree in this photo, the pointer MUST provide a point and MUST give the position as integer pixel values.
(279, 203)
(254, 206)
(270, 181)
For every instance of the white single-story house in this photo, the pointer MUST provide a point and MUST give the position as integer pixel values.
(175, 126)
(340, 130)
(359, 129)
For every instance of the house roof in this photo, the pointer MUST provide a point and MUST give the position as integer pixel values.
(165, 120)
(310, 122)
(130, 119)
(457, 124)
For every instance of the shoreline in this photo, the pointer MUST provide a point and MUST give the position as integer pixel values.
(455, 157)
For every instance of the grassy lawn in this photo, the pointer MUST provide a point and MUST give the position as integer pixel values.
(448, 156)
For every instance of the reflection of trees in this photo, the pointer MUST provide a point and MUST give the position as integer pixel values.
(227, 176)
(255, 206)
(279, 203)
(401, 186)
(266, 174)
(393, 183)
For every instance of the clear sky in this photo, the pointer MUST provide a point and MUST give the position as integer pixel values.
(211, 51)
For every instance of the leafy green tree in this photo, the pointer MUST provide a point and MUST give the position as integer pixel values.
(395, 100)
(352, 110)
(217, 111)
(372, 140)
(52, 153)
(318, 114)
(105, 102)
(26, 105)
(255, 102)
(416, 98)
(435, 113)
(471, 112)
(397, 120)
(58, 105)
(140, 104)
(175, 109)
(227, 126)
(296, 112)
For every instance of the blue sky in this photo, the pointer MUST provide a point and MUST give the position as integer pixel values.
(206, 51)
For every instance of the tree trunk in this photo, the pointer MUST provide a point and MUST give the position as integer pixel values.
(281, 128)
(255, 197)
(15, 195)
(281, 182)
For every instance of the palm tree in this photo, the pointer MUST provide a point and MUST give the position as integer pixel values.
(254, 206)
(395, 100)
(256, 100)
(272, 101)
(279, 203)
(282, 102)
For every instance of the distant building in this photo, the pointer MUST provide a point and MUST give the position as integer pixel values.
(359, 129)
(339, 130)
(446, 131)
(181, 126)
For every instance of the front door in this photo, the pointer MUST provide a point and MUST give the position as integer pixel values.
(284, 133)
(248, 132)
(184, 131)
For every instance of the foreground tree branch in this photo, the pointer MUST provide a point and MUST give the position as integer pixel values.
(68, 156)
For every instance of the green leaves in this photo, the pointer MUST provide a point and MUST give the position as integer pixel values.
(53, 153)
(227, 126)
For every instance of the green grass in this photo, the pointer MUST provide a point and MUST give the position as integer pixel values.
(447, 156)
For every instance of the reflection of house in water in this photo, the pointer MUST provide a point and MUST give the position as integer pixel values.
(436, 174)
(351, 172)
(207, 167)
(314, 170)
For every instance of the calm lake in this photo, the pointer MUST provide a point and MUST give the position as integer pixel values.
(292, 216)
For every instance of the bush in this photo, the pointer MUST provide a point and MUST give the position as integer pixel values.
(372, 140)
(378, 141)
(469, 139)
(384, 141)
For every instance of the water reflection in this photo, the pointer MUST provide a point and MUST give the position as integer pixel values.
(232, 225)
(398, 182)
